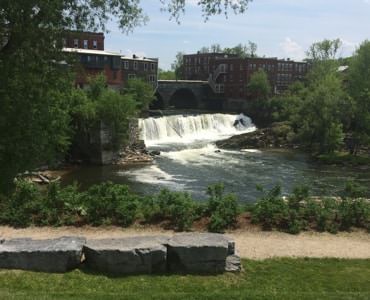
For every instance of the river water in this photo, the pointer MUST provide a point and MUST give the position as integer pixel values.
(190, 161)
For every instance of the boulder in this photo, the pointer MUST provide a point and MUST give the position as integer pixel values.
(199, 253)
(133, 255)
(53, 255)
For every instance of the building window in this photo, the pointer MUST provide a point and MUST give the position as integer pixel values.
(95, 44)
(151, 78)
(75, 43)
(135, 65)
(231, 67)
(145, 66)
(126, 65)
(88, 58)
(152, 66)
(131, 76)
(86, 44)
(64, 43)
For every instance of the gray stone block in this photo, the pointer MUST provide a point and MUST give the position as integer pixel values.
(53, 255)
(198, 253)
(233, 263)
(133, 255)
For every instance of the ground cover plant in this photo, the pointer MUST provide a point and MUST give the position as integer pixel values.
(115, 204)
(267, 279)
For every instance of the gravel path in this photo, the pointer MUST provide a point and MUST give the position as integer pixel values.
(253, 244)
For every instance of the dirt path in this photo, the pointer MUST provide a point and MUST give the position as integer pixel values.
(252, 244)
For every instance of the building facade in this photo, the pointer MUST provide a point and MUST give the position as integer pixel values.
(230, 75)
(94, 60)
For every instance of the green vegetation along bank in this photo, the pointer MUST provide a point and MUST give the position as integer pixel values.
(268, 279)
(113, 204)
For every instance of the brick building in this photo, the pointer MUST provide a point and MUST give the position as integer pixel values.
(84, 40)
(118, 69)
(229, 75)
(140, 67)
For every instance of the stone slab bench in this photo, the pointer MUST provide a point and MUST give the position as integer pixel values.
(55, 255)
(132, 255)
(182, 253)
(201, 253)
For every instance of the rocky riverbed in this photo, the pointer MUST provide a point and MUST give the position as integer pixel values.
(279, 135)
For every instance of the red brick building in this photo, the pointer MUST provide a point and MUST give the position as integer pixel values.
(118, 69)
(84, 40)
(229, 75)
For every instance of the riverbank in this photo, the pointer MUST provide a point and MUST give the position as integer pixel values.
(281, 136)
(251, 242)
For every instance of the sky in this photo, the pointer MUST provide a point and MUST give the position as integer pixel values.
(281, 28)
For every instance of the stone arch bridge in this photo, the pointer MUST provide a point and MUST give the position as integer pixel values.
(183, 94)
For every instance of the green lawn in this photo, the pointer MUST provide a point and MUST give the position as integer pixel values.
(269, 279)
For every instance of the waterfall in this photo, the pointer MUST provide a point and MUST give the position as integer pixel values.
(190, 128)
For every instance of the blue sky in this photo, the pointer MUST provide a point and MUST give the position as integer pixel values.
(281, 28)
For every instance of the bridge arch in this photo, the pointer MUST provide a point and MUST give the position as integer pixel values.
(158, 102)
(184, 98)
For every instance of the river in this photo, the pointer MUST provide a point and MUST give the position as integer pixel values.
(190, 161)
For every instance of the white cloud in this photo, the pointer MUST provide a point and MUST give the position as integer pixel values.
(292, 49)
(348, 47)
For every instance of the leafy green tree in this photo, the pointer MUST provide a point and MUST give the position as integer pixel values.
(259, 85)
(243, 51)
(166, 75)
(178, 65)
(359, 90)
(318, 122)
(141, 91)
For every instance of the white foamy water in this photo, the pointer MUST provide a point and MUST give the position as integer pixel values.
(188, 129)
(204, 156)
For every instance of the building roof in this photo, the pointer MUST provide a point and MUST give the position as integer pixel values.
(136, 58)
(90, 51)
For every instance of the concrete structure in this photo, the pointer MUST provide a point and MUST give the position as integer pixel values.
(181, 94)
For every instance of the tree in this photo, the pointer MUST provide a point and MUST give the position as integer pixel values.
(243, 51)
(359, 90)
(216, 48)
(259, 89)
(178, 65)
(259, 85)
(318, 122)
(324, 50)
(166, 74)
(141, 92)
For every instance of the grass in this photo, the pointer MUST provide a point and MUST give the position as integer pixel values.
(268, 279)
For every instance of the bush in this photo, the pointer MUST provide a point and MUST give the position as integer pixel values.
(109, 203)
(178, 207)
(222, 209)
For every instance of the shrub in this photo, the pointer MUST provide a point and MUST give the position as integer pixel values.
(178, 207)
(23, 206)
(109, 203)
(222, 209)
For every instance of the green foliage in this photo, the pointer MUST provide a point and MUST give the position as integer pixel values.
(178, 66)
(99, 104)
(359, 90)
(259, 85)
(166, 75)
(299, 211)
(142, 93)
(109, 203)
(222, 209)
(318, 122)
(177, 207)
